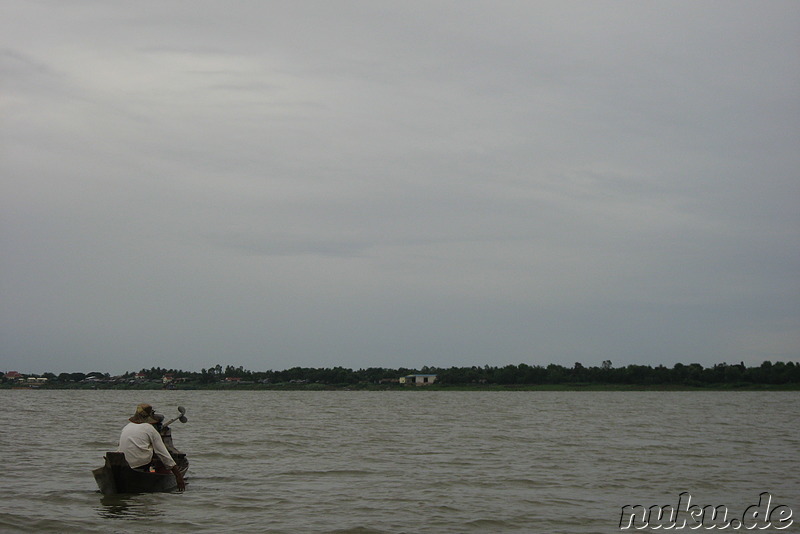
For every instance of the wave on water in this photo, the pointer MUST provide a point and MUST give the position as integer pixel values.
(17, 523)
(324, 473)
(358, 530)
(472, 463)
(490, 525)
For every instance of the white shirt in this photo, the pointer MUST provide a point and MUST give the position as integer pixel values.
(139, 441)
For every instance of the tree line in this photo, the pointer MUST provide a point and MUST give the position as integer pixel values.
(694, 374)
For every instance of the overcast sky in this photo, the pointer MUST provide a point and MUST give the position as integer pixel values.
(398, 183)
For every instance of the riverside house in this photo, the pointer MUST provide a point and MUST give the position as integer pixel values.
(418, 380)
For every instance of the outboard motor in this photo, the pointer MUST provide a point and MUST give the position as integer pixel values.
(166, 431)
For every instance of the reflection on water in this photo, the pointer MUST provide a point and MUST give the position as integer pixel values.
(129, 506)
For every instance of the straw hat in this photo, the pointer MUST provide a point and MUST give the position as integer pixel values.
(144, 414)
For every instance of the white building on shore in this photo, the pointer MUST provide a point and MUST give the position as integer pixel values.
(418, 380)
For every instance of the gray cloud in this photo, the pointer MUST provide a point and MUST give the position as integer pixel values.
(359, 183)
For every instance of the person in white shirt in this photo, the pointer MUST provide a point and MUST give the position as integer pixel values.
(139, 440)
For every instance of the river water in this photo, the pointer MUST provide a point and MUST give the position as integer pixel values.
(401, 461)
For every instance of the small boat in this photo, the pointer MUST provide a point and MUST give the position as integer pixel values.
(116, 476)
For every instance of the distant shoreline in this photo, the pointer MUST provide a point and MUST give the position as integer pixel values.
(375, 387)
(769, 376)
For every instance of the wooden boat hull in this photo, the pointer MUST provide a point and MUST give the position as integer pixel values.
(116, 476)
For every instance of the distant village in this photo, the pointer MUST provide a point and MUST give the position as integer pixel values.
(779, 374)
(175, 379)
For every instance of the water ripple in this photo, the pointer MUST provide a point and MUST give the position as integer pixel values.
(396, 462)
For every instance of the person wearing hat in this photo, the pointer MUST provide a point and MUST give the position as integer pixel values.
(139, 440)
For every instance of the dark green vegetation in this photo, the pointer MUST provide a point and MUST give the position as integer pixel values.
(768, 375)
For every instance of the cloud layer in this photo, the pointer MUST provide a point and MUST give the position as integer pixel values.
(398, 184)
